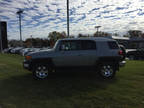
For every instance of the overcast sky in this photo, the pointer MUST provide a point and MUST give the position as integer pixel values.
(43, 16)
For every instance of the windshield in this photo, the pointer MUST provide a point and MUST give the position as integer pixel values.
(55, 44)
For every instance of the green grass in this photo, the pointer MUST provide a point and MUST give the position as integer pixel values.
(70, 89)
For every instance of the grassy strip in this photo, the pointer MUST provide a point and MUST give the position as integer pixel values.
(70, 89)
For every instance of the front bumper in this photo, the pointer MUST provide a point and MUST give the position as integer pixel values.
(26, 65)
(122, 63)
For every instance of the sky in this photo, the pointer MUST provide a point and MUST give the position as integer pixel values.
(43, 16)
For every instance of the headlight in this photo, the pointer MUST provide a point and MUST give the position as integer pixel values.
(28, 57)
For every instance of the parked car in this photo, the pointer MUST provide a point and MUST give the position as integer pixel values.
(101, 54)
(8, 50)
(135, 54)
(16, 50)
(30, 50)
(23, 50)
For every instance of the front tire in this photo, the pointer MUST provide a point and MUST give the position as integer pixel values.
(107, 71)
(40, 71)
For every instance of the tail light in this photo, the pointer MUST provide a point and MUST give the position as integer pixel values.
(120, 52)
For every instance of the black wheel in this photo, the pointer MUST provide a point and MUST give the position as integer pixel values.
(40, 71)
(107, 71)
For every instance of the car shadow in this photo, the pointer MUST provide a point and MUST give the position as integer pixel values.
(58, 85)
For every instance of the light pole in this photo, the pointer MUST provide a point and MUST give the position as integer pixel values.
(97, 27)
(19, 13)
(31, 41)
(68, 18)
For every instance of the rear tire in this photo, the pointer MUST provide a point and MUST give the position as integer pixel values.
(107, 71)
(40, 71)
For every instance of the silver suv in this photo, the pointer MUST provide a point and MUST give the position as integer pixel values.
(101, 54)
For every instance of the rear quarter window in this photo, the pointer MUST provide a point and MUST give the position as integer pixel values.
(113, 45)
(88, 45)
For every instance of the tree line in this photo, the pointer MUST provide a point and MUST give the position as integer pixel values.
(54, 36)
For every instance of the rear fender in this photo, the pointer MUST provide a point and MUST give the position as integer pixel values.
(109, 60)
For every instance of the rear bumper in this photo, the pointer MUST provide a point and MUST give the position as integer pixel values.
(122, 63)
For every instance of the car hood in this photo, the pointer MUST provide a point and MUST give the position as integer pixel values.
(42, 53)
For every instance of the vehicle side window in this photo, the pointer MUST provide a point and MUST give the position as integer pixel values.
(113, 45)
(89, 45)
(70, 45)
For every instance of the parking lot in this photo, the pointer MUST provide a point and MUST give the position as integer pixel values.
(69, 89)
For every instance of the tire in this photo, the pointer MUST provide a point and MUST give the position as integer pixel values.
(40, 71)
(107, 71)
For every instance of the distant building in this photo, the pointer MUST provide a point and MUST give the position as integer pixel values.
(136, 42)
(121, 40)
(129, 43)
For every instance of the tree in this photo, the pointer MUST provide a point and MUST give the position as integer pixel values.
(54, 36)
(36, 42)
(80, 35)
(135, 33)
(142, 35)
(83, 35)
(115, 34)
(14, 43)
(126, 35)
(101, 34)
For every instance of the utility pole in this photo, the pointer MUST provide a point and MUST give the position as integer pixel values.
(31, 41)
(68, 18)
(19, 13)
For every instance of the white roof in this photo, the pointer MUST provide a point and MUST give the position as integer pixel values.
(120, 37)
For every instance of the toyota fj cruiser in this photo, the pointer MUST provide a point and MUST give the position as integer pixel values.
(103, 54)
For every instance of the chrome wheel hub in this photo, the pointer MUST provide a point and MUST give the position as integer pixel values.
(107, 71)
(41, 72)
